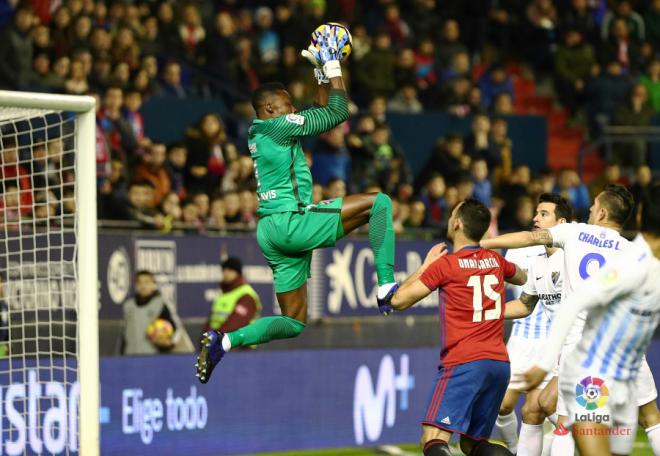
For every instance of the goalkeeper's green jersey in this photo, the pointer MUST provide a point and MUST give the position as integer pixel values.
(284, 181)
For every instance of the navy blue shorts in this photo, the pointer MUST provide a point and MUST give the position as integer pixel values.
(467, 397)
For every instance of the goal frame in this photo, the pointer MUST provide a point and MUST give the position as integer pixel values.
(87, 345)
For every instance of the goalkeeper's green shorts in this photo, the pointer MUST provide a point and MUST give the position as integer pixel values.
(287, 240)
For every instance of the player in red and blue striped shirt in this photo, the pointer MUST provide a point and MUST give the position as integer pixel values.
(474, 366)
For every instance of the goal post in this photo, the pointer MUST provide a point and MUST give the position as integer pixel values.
(70, 239)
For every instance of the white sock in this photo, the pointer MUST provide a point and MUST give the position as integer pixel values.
(530, 442)
(384, 289)
(547, 443)
(553, 419)
(562, 443)
(508, 427)
(226, 343)
(653, 433)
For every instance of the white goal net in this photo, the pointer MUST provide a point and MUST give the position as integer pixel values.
(48, 380)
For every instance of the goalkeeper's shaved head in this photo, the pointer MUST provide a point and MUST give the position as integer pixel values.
(264, 93)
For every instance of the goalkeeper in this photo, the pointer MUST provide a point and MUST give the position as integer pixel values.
(290, 227)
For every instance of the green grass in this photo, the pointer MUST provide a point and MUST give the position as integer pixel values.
(641, 449)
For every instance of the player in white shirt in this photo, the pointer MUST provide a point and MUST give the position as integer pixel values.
(531, 326)
(623, 305)
(588, 247)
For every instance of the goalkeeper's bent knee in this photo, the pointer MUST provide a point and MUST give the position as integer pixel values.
(381, 200)
(295, 327)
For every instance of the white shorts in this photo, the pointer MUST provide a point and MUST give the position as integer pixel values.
(645, 383)
(523, 354)
(603, 401)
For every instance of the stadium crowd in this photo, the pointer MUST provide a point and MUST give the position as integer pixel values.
(408, 57)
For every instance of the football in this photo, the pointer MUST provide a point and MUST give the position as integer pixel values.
(340, 32)
(160, 332)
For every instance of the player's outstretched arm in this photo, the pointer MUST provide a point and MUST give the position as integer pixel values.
(519, 278)
(518, 240)
(413, 289)
(521, 307)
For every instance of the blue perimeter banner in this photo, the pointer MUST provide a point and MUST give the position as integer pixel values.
(187, 268)
(255, 402)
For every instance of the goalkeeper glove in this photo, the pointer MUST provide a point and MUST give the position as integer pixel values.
(311, 54)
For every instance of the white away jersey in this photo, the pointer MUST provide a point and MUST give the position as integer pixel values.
(537, 324)
(587, 248)
(545, 279)
(623, 303)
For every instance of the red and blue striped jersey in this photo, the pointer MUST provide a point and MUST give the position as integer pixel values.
(471, 287)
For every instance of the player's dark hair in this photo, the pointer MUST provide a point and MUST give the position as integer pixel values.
(263, 91)
(476, 218)
(619, 203)
(651, 211)
(563, 208)
(145, 272)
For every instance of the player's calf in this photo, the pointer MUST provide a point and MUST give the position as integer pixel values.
(483, 448)
(436, 447)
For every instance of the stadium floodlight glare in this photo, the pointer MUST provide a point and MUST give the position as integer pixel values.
(48, 266)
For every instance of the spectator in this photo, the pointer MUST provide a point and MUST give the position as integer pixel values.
(191, 216)
(233, 215)
(117, 131)
(377, 108)
(541, 25)
(622, 48)
(652, 23)
(238, 305)
(483, 189)
(249, 204)
(140, 312)
(458, 68)
(335, 188)
(41, 43)
(170, 84)
(579, 17)
(574, 61)
(208, 153)
(465, 187)
(171, 208)
(361, 42)
(203, 203)
(389, 167)
(417, 216)
(168, 33)
(141, 206)
(317, 193)
(623, 12)
(81, 32)
(331, 157)
(100, 43)
(121, 76)
(113, 197)
(60, 30)
(217, 213)
(432, 195)
(605, 92)
(374, 74)
(396, 27)
(243, 69)
(16, 50)
(177, 155)
(456, 100)
(494, 81)
(405, 71)
(449, 44)
(636, 113)
(191, 31)
(611, 174)
(511, 191)
(267, 42)
(503, 105)
(571, 188)
(405, 101)
(125, 48)
(447, 159)
(42, 78)
(153, 169)
(12, 170)
(651, 81)
(149, 43)
(479, 144)
(131, 112)
(101, 74)
(77, 83)
(427, 76)
(643, 181)
(524, 214)
(292, 69)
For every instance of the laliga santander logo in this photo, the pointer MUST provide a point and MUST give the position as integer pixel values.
(591, 393)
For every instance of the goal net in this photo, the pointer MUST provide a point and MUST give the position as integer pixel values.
(49, 394)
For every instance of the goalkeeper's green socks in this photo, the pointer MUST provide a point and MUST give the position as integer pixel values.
(381, 238)
(264, 330)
